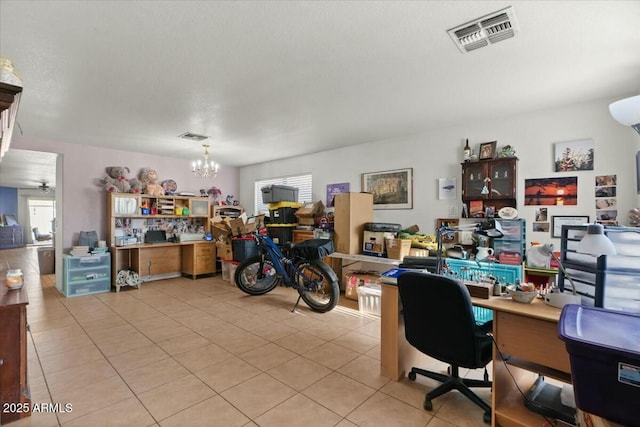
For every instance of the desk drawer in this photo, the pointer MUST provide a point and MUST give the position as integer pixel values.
(531, 339)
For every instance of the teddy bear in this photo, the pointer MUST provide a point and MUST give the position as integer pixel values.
(117, 181)
(149, 180)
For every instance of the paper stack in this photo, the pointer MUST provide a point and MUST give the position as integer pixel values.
(80, 251)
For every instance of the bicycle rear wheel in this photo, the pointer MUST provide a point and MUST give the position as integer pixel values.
(256, 276)
(321, 291)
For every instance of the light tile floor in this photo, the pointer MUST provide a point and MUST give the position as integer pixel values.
(180, 352)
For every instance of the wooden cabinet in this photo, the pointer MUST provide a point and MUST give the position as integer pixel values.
(14, 389)
(154, 261)
(199, 258)
(302, 235)
(11, 237)
(490, 182)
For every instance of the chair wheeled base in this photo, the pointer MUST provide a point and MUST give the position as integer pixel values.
(454, 382)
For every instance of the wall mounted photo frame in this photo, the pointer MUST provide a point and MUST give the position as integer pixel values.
(558, 191)
(574, 155)
(557, 221)
(487, 150)
(391, 189)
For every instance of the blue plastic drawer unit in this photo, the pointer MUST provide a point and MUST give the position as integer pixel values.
(86, 275)
(470, 270)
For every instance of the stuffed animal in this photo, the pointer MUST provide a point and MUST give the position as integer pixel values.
(117, 181)
(150, 186)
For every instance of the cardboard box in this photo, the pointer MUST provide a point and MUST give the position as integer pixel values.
(355, 279)
(374, 242)
(243, 225)
(224, 249)
(352, 211)
(311, 210)
(220, 229)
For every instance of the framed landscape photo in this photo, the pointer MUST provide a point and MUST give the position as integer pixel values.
(391, 189)
(558, 221)
(487, 150)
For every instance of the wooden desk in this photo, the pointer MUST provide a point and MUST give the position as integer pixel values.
(13, 353)
(163, 260)
(526, 334)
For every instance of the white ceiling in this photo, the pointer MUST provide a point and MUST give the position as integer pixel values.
(268, 80)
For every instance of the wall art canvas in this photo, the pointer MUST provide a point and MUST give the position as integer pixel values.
(391, 189)
(574, 155)
(558, 191)
(333, 189)
(447, 188)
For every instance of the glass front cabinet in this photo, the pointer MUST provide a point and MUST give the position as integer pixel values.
(489, 185)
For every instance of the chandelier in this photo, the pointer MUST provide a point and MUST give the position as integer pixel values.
(206, 169)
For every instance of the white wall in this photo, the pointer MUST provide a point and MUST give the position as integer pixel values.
(437, 154)
(83, 201)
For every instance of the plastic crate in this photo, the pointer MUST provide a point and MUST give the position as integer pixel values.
(279, 193)
(283, 212)
(281, 233)
(243, 248)
(604, 353)
(369, 299)
(229, 270)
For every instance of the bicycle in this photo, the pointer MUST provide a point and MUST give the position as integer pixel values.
(303, 270)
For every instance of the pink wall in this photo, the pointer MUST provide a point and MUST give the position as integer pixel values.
(83, 199)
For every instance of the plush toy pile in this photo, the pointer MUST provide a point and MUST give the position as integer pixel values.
(150, 185)
(117, 181)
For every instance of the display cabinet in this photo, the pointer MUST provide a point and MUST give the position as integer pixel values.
(9, 102)
(491, 182)
(129, 212)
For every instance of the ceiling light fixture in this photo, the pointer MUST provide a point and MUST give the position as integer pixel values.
(44, 188)
(206, 169)
(627, 112)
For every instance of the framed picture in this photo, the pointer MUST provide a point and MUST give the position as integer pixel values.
(558, 221)
(487, 150)
(574, 155)
(391, 189)
(558, 191)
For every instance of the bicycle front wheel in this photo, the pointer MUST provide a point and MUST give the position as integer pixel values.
(318, 285)
(256, 276)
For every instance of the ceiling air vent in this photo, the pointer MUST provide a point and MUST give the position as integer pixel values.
(489, 29)
(193, 136)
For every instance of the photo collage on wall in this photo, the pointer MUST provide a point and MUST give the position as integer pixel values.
(605, 200)
(541, 222)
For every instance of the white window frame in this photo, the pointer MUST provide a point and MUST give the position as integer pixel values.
(303, 182)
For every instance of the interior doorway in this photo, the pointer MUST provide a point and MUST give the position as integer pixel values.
(42, 214)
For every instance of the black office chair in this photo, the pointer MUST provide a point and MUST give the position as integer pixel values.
(439, 322)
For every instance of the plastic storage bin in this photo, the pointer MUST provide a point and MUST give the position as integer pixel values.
(283, 212)
(46, 260)
(604, 351)
(243, 248)
(229, 270)
(369, 297)
(87, 275)
(281, 233)
(279, 193)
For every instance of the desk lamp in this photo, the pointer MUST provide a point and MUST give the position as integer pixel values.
(594, 243)
(489, 228)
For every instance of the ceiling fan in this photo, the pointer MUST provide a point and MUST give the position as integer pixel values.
(44, 188)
